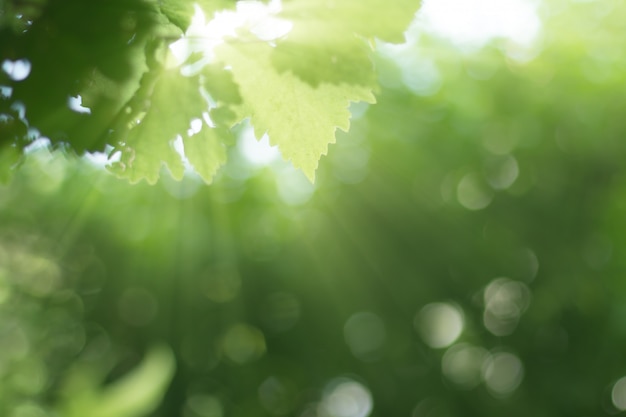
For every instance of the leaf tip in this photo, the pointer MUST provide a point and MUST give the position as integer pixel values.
(310, 175)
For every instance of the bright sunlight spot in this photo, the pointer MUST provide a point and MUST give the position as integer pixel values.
(477, 22)
(257, 152)
(17, 70)
(204, 36)
(76, 104)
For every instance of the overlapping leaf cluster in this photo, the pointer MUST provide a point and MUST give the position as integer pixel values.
(147, 113)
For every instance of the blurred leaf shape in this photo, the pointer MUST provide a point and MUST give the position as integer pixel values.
(136, 394)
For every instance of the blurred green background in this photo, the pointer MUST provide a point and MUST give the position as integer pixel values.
(461, 254)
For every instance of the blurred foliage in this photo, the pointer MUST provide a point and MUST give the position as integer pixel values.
(461, 254)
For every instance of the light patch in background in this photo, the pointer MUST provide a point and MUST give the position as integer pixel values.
(252, 155)
(29, 409)
(419, 72)
(365, 335)
(51, 167)
(76, 104)
(19, 108)
(618, 394)
(344, 397)
(294, 188)
(503, 373)
(195, 126)
(462, 364)
(439, 324)
(421, 75)
(472, 193)
(473, 24)
(505, 301)
(204, 36)
(184, 188)
(501, 138)
(17, 70)
(501, 171)
(101, 159)
(257, 152)
(5, 92)
(350, 162)
(202, 405)
(243, 343)
(97, 159)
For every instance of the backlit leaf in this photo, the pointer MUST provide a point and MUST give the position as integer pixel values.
(299, 118)
(174, 103)
(370, 19)
(206, 151)
(328, 40)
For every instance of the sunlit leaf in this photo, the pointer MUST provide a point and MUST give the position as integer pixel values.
(220, 84)
(178, 12)
(371, 19)
(326, 57)
(206, 151)
(299, 118)
(175, 101)
(150, 142)
(327, 41)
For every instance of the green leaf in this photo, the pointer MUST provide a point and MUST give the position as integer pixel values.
(302, 83)
(178, 12)
(328, 58)
(175, 101)
(150, 142)
(299, 118)
(206, 152)
(220, 84)
(326, 43)
(370, 19)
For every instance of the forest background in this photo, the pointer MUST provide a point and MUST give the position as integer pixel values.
(460, 252)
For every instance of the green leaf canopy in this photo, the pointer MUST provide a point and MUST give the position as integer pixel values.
(139, 105)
